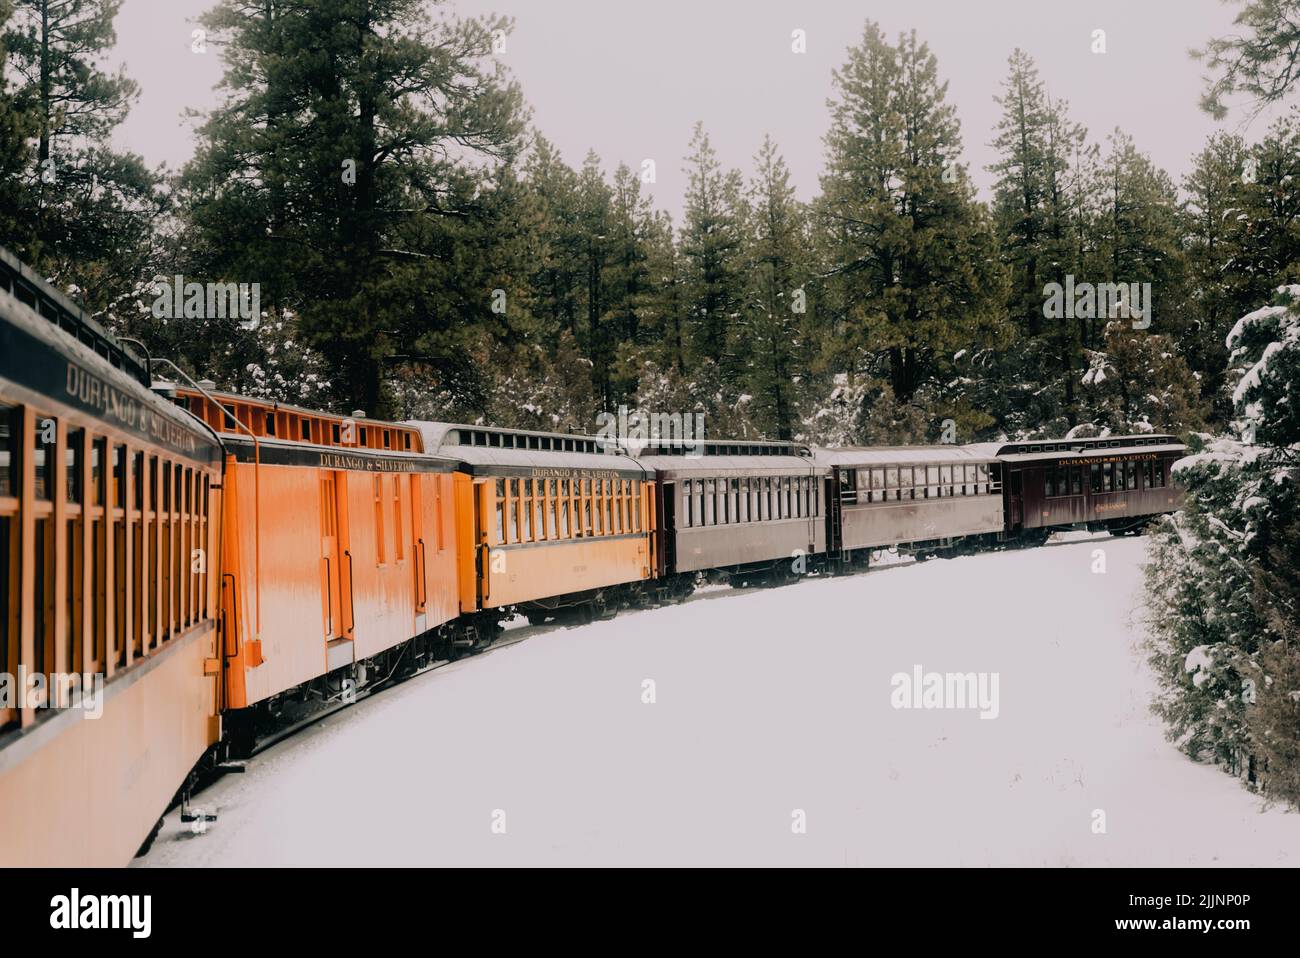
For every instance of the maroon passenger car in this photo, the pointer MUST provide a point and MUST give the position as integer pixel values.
(1116, 483)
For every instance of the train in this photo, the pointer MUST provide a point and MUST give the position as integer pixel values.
(190, 572)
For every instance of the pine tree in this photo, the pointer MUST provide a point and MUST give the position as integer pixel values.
(1216, 228)
(354, 162)
(711, 256)
(911, 252)
(83, 214)
(776, 301)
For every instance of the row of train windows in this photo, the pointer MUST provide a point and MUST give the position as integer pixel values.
(141, 573)
(896, 483)
(1104, 477)
(106, 485)
(711, 502)
(536, 510)
(302, 428)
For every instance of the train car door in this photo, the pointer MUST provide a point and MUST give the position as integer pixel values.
(666, 500)
(1014, 502)
(331, 582)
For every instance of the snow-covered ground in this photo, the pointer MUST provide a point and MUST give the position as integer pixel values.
(771, 708)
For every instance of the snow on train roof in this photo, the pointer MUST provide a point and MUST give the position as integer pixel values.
(520, 448)
(905, 455)
(1098, 452)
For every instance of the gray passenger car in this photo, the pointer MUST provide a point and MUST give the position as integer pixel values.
(919, 498)
(738, 506)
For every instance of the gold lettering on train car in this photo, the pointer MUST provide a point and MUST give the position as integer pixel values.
(1135, 457)
(551, 472)
(333, 460)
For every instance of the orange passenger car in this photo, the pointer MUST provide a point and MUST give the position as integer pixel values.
(549, 524)
(339, 555)
(109, 528)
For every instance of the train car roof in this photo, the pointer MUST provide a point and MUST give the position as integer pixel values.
(905, 455)
(1098, 453)
(89, 381)
(487, 449)
(270, 450)
(53, 305)
(1076, 447)
(686, 466)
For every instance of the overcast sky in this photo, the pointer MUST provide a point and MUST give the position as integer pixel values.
(629, 79)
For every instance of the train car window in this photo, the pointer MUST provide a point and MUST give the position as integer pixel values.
(1108, 477)
(512, 511)
(526, 510)
(1130, 474)
(787, 495)
(377, 495)
(44, 433)
(363, 436)
(117, 492)
(982, 478)
(742, 501)
(552, 509)
(688, 502)
(270, 424)
(137, 484)
(97, 472)
(608, 486)
(499, 509)
(1076, 480)
(709, 502)
(71, 458)
(539, 508)
(9, 420)
(585, 528)
(1094, 483)
(1161, 476)
(905, 487)
(1049, 481)
(388, 438)
(334, 433)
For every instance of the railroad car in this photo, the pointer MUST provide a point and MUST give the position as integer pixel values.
(753, 510)
(923, 500)
(1117, 483)
(339, 560)
(548, 524)
(110, 504)
(229, 566)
